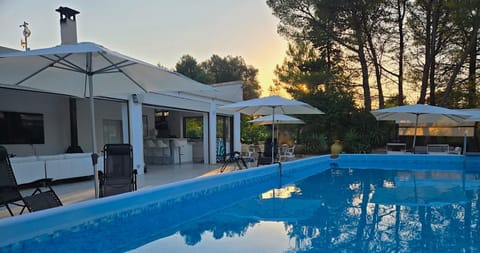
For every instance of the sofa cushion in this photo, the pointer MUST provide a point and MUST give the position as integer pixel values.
(20, 159)
(78, 155)
(51, 157)
(28, 169)
(69, 165)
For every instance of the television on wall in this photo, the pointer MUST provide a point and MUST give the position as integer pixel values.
(21, 128)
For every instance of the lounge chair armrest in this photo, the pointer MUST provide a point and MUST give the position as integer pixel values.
(43, 182)
(40, 183)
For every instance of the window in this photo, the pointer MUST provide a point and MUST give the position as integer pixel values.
(112, 131)
(21, 128)
(193, 127)
(224, 132)
(161, 124)
(145, 125)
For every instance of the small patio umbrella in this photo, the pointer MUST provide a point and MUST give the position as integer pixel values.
(279, 119)
(272, 105)
(87, 70)
(420, 113)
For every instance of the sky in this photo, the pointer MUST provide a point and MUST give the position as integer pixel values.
(157, 31)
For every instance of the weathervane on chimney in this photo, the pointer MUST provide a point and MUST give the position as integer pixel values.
(26, 34)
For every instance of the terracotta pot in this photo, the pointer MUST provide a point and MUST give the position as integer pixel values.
(336, 149)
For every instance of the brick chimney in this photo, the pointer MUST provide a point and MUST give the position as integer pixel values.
(68, 25)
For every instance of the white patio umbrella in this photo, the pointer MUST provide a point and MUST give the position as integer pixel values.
(279, 119)
(420, 113)
(272, 105)
(88, 70)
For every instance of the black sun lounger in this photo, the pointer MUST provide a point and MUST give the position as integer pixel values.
(236, 159)
(10, 193)
(118, 175)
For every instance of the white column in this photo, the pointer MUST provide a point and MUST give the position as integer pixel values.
(237, 146)
(212, 129)
(125, 119)
(206, 154)
(136, 133)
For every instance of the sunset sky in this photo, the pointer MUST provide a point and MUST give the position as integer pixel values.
(158, 32)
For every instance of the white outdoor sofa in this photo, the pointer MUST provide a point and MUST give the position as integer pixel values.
(57, 167)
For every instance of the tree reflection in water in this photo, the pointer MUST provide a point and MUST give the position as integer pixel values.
(351, 210)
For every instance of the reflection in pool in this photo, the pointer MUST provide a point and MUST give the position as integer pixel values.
(257, 210)
(344, 210)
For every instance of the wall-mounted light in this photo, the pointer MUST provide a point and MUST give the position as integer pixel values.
(162, 113)
(135, 99)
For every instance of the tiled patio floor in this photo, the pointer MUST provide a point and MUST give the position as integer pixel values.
(73, 192)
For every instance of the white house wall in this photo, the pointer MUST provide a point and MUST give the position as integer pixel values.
(175, 102)
(55, 110)
(136, 133)
(230, 91)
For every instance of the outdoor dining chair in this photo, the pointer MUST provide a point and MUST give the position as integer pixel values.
(118, 175)
(287, 153)
(265, 157)
(10, 193)
(251, 155)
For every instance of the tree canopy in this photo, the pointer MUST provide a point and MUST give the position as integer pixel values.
(218, 69)
(424, 51)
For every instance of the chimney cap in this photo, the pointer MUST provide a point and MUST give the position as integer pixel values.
(67, 11)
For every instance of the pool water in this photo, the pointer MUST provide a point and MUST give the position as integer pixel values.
(344, 210)
(337, 210)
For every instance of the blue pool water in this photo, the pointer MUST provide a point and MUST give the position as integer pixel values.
(343, 210)
(316, 205)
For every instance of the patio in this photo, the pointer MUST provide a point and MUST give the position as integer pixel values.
(73, 192)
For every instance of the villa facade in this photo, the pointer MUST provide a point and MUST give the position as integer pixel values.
(137, 120)
(163, 128)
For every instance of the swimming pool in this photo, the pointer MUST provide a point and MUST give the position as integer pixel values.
(316, 205)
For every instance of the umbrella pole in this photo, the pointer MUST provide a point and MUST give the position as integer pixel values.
(273, 135)
(278, 134)
(415, 133)
(94, 144)
(92, 117)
